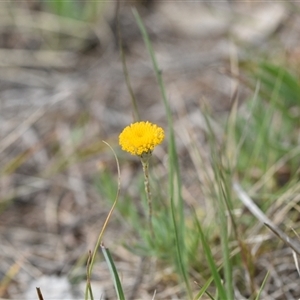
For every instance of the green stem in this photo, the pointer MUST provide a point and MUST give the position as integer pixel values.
(145, 163)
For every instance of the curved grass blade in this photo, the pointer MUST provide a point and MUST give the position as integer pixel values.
(93, 257)
(213, 268)
(113, 272)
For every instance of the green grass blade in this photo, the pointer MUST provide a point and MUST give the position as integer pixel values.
(213, 268)
(113, 272)
(175, 195)
(224, 205)
(289, 88)
(262, 286)
(179, 245)
(222, 196)
(204, 288)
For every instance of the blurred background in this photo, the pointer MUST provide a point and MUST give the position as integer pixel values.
(62, 91)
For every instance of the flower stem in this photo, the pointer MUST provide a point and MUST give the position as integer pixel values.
(145, 163)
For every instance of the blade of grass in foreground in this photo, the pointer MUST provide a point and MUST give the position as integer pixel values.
(224, 206)
(177, 208)
(93, 256)
(212, 265)
(204, 288)
(113, 272)
(262, 286)
(213, 268)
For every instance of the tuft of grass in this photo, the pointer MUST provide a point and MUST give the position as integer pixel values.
(211, 248)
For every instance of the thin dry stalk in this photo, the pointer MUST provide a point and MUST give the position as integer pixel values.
(254, 209)
(39, 293)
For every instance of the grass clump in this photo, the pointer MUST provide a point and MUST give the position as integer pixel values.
(215, 244)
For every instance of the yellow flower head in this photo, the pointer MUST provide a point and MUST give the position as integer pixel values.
(141, 138)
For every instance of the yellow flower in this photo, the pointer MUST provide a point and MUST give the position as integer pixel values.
(140, 138)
